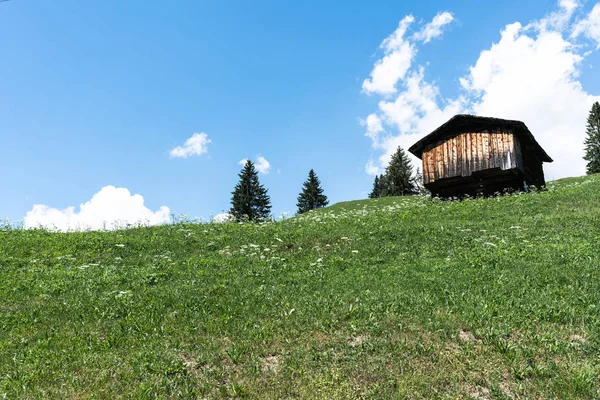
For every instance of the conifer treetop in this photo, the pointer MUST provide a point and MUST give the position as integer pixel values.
(311, 196)
(592, 140)
(250, 199)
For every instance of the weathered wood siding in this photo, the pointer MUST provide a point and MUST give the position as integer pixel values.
(470, 152)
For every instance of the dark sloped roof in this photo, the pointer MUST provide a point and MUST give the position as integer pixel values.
(462, 123)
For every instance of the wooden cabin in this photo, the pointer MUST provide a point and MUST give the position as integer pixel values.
(470, 155)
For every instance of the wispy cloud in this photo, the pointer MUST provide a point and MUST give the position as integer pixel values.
(434, 28)
(398, 57)
(196, 145)
(261, 164)
(589, 26)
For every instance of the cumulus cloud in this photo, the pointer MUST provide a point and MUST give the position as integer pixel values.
(223, 218)
(110, 208)
(261, 164)
(196, 145)
(530, 74)
(434, 28)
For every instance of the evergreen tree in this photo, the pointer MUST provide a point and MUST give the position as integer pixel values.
(378, 186)
(250, 199)
(592, 141)
(398, 179)
(376, 192)
(419, 183)
(312, 195)
(382, 185)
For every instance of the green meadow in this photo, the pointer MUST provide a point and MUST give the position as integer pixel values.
(393, 298)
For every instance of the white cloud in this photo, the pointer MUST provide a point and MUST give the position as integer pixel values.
(223, 218)
(398, 56)
(399, 52)
(569, 5)
(417, 109)
(196, 145)
(373, 124)
(434, 28)
(261, 164)
(373, 169)
(558, 20)
(110, 208)
(589, 26)
(530, 74)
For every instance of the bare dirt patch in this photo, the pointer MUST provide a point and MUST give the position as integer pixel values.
(270, 363)
(467, 337)
(505, 389)
(188, 362)
(577, 339)
(357, 340)
(481, 393)
(320, 337)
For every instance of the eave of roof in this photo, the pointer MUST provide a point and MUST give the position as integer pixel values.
(460, 124)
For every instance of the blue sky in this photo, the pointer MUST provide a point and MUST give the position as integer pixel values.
(98, 93)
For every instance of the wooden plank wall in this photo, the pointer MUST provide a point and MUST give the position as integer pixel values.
(469, 152)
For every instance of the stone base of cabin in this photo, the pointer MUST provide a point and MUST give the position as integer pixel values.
(481, 183)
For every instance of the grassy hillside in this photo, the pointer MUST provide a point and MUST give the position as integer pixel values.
(389, 298)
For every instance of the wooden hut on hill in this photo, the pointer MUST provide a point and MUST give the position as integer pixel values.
(470, 155)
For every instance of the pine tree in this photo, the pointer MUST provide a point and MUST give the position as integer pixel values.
(378, 185)
(249, 198)
(398, 179)
(419, 183)
(312, 195)
(382, 185)
(376, 192)
(592, 141)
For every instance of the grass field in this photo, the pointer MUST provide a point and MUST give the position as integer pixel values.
(390, 298)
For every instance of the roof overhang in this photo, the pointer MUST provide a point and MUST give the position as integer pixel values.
(464, 123)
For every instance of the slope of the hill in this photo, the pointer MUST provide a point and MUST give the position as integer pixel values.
(390, 298)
